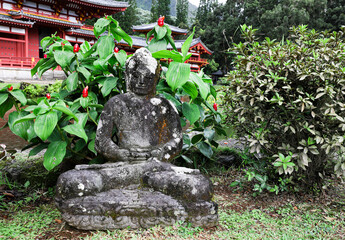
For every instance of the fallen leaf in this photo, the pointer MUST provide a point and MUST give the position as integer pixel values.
(58, 221)
(330, 219)
(295, 208)
(8, 194)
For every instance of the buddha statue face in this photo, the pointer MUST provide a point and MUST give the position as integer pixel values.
(142, 73)
(141, 82)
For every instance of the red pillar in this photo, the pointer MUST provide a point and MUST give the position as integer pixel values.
(26, 42)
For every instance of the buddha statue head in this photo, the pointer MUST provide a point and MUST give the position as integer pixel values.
(142, 73)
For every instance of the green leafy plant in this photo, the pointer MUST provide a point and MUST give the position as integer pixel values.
(287, 98)
(65, 122)
(177, 82)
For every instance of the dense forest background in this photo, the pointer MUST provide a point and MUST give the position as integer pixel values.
(218, 24)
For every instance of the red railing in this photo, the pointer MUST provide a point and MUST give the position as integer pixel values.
(20, 62)
(196, 59)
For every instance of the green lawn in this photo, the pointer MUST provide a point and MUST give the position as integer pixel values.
(241, 216)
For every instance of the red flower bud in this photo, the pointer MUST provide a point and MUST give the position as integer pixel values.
(116, 50)
(10, 88)
(48, 96)
(215, 106)
(85, 92)
(45, 56)
(62, 44)
(76, 48)
(161, 21)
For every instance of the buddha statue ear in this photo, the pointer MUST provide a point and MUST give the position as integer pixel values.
(157, 73)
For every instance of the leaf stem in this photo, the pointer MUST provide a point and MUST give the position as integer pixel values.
(88, 113)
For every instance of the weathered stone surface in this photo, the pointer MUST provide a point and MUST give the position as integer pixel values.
(146, 125)
(137, 188)
(99, 197)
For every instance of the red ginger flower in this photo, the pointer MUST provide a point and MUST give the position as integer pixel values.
(48, 96)
(215, 106)
(85, 92)
(10, 88)
(116, 50)
(161, 21)
(76, 48)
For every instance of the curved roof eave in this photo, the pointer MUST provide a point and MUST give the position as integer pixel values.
(103, 3)
(150, 26)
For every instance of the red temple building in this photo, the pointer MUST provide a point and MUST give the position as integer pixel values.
(24, 23)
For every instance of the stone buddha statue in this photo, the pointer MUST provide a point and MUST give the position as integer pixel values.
(137, 133)
(138, 125)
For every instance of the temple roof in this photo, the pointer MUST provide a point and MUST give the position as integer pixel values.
(141, 42)
(9, 20)
(39, 18)
(138, 42)
(105, 3)
(150, 26)
(81, 32)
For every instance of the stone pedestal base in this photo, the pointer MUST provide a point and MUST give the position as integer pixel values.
(137, 195)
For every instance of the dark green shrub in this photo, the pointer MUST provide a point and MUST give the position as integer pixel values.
(287, 98)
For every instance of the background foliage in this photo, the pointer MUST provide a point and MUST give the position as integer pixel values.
(287, 98)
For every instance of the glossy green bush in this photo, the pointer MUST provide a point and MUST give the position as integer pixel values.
(287, 98)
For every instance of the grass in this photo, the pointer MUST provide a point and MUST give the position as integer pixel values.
(241, 216)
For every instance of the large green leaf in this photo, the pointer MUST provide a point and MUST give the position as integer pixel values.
(100, 26)
(109, 84)
(63, 58)
(45, 124)
(82, 119)
(23, 129)
(157, 45)
(3, 97)
(121, 57)
(46, 65)
(38, 149)
(204, 88)
(7, 105)
(65, 110)
(209, 134)
(191, 89)
(168, 37)
(38, 64)
(91, 146)
(84, 102)
(19, 95)
(77, 130)
(171, 99)
(160, 32)
(105, 46)
(174, 55)
(45, 42)
(177, 74)
(85, 73)
(54, 155)
(24, 118)
(205, 149)
(191, 112)
(72, 81)
(117, 31)
(186, 45)
(85, 47)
